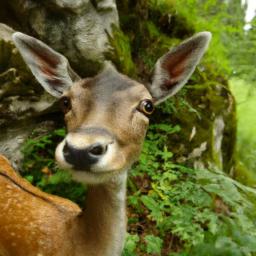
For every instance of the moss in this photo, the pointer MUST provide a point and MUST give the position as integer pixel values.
(155, 28)
(124, 6)
(149, 45)
(169, 21)
(121, 52)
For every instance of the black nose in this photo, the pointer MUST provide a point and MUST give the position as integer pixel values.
(82, 159)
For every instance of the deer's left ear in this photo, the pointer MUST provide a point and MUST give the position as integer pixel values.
(174, 68)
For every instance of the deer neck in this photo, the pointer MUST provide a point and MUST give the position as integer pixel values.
(104, 217)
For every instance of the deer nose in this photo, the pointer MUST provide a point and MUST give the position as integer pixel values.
(83, 158)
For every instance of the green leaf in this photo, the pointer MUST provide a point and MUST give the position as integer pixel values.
(130, 245)
(153, 206)
(153, 244)
(60, 176)
(29, 178)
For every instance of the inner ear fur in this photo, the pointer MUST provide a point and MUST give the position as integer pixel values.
(49, 67)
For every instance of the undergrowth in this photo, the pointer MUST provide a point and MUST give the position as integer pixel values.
(176, 210)
(172, 209)
(39, 167)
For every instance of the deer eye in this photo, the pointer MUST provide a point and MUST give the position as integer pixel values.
(65, 104)
(146, 107)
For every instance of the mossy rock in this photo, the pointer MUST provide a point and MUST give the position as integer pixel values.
(206, 115)
(120, 53)
(18, 89)
(22, 100)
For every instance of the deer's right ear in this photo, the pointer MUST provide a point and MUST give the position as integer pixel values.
(49, 67)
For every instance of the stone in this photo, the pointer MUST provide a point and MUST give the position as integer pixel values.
(22, 100)
(78, 29)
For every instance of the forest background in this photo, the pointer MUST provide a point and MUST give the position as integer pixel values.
(193, 190)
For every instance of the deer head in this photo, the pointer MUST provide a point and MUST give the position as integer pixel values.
(107, 115)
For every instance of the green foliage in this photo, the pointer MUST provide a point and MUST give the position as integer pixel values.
(162, 6)
(246, 142)
(39, 168)
(153, 244)
(131, 244)
(121, 51)
(204, 212)
(242, 54)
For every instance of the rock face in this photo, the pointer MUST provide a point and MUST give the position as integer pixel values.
(22, 100)
(79, 29)
(208, 128)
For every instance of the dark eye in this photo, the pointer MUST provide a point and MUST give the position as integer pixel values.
(65, 104)
(146, 107)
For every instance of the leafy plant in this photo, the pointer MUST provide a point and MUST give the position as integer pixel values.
(131, 244)
(39, 167)
(184, 210)
(153, 244)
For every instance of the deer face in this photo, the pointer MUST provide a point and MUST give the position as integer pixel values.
(106, 123)
(107, 115)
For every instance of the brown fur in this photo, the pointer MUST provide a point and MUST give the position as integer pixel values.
(30, 220)
(35, 223)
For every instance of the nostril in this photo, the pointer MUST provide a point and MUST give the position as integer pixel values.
(97, 149)
(66, 149)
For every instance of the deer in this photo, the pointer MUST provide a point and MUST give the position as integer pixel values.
(107, 117)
